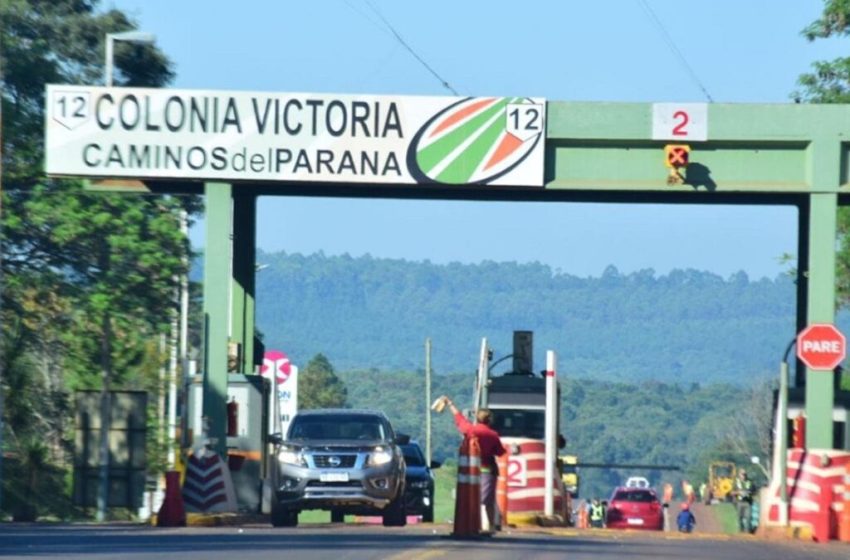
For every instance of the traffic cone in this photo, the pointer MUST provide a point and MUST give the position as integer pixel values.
(502, 488)
(468, 503)
(823, 522)
(844, 518)
(668, 493)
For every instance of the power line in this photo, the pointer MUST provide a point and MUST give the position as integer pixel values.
(672, 45)
(401, 40)
(365, 16)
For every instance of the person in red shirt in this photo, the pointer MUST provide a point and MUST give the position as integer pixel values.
(491, 447)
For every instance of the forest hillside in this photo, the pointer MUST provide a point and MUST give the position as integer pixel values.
(368, 313)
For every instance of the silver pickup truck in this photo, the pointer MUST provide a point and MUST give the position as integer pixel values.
(341, 460)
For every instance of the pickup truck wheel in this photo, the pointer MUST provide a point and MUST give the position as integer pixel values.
(395, 515)
(337, 516)
(283, 517)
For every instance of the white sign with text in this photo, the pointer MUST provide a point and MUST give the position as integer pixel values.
(244, 136)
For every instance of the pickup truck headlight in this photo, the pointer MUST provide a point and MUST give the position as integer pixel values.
(291, 457)
(379, 456)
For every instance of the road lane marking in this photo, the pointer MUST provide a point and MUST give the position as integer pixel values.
(419, 554)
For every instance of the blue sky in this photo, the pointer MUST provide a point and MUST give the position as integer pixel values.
(606, 50)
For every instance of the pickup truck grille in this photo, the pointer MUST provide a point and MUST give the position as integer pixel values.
(334, 461)
(349, 484)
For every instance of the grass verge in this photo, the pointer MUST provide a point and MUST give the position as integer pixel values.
(727, 516)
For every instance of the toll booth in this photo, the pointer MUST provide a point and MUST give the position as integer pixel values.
(247, 418)
(840, 416)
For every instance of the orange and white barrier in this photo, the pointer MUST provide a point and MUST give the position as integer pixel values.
(502, 486)
(815, 481)
(583, 522)
(208, 486)
(844, 518)
(667, 495)
(467, 522)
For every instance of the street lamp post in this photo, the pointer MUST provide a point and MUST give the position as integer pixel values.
(781, 449)
(129, 36)
(103, 489)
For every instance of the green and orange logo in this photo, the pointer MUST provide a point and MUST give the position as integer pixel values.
(476, 140)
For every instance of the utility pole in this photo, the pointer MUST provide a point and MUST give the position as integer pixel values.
(172, 389)
(2, 409)
(160, 401)
(184, 330)
(780, 447)
(428, 401)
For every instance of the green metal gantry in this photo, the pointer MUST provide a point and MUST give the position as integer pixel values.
(774, 154)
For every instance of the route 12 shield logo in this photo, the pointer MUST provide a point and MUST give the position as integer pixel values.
(476, 140)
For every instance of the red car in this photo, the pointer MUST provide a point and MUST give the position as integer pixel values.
(635, 508)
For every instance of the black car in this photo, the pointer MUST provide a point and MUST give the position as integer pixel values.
(419, 482)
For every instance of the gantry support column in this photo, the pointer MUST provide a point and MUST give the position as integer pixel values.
(244, 270)
(823, 208)
(217, 283)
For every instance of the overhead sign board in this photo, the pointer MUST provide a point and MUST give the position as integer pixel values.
(821, 346)
(244, 136)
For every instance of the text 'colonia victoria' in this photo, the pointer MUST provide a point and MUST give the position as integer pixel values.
(291, 116)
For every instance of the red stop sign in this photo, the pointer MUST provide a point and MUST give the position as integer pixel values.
(821, 346)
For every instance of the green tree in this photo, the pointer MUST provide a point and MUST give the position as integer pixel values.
(88, 278)
(319, 386)
(829, 82)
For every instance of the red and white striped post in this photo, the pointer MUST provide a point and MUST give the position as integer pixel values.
(467, 522)
(551, 427)
(823, 522)
(844, 518)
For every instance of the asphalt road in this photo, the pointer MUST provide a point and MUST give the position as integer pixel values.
(349, 542)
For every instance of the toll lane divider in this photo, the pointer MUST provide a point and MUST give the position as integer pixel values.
(208, 486)
(815, 482)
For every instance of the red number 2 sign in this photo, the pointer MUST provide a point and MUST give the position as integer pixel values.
(680, 121)
(517, 471)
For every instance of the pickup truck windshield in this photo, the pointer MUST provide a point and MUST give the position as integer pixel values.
(337, 426)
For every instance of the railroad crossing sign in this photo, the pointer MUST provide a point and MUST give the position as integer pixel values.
(821, 346)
